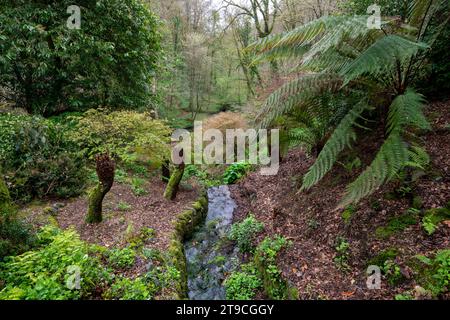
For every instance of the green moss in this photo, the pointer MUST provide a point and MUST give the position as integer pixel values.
(185, 225)
(383, 256)
(96, 196)
(397, 224)
(174, 183)
(417, 202)
(348, 213)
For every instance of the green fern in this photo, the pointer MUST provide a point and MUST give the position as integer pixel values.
(391, 157)
(342, 136)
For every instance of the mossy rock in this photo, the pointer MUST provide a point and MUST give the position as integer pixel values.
(185, 225)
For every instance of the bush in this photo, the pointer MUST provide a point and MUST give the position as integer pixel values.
(235, 171)
(15, 236)
(243, 285)
(244, 233)
(128, 289)
(49, 68)
(122, 258)
(47, 272)
(435, 276)
(129, 136)
(38, 160)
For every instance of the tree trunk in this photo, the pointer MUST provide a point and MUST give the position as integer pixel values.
(174, 183)
(105, 172)
(165, 171)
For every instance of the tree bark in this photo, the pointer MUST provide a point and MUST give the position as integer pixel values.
(105, 172)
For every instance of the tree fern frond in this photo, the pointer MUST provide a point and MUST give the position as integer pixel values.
(390, 159)
(382, 56)
(342, 136)
(294, 92)
(406, 110)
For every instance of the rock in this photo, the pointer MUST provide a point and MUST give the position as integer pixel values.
(50, 211)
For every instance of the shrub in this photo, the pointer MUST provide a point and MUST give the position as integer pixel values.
(235, 171)
(392, 272)
(122, 258)
(49, 68)
(38, 160)
(244, 233)
(342, 256)
(128, 289)
(435, 276)
(265, 259)
(243, 285)
(45, 272)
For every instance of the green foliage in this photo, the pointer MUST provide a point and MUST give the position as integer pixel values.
(137, 185)
(398, 224)
(235, 172)
(348, 213)
(38, 160)
(392, 272)
(340, 54)
(44, 273)
(15, 235)
(388, 7)
(265, 260)
(123, 206)
(433, 218)
(130, 289)
(435, 275)
(243, 285)
(49, 68)
(342, 254)
(128, 135)
(122, 258)
(383, 256)
(244, 233)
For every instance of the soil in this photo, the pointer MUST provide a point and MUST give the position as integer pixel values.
(119, 226)
(313, 224)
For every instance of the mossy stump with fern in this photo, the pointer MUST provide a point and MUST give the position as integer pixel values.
(105, 172)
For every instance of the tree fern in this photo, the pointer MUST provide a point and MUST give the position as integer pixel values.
(294, 92)
(406, 110)
(382, 57)
(342, 136)
(391, 157)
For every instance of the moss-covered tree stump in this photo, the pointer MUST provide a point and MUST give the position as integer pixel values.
(105, 172)
(174, 183)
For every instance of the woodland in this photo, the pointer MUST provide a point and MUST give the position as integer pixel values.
(93, 207)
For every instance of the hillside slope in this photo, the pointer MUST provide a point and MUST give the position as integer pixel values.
(310, 221)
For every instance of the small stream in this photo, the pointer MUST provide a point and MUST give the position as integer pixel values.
(209, 256)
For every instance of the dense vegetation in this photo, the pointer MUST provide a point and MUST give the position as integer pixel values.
(91, 206)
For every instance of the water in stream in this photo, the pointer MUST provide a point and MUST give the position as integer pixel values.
(208, 259)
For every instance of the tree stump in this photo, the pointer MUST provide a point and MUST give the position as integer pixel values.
(105, 172)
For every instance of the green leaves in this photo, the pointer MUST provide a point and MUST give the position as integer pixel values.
(381, 57)
(342, 136)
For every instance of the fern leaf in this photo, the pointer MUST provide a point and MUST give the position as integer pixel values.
(406, 110)
(382, 56)
(342, 136)
(389, 160)
(295, 92)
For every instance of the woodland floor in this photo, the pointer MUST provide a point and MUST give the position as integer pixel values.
(310, 221)
(119, 226)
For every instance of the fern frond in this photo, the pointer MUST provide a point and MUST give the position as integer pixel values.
(295, 92)
(389, 160)
(406, 110)
(418, 158)
(382, 56)
(342, 136)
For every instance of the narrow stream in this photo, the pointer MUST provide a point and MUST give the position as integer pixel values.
(208, 256)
